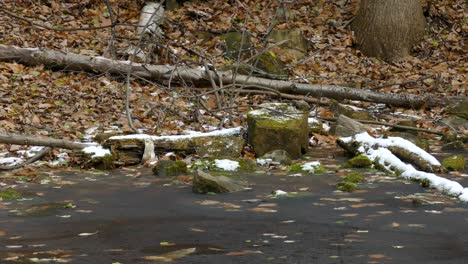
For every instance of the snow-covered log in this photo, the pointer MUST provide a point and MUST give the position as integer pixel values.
(378, 150)
(69, 61)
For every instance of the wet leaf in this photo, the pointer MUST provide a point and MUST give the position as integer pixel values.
(166, 244)
(243, 252)
(88, 234)
(262, 210)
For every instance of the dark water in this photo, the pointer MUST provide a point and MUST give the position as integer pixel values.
(129, 216)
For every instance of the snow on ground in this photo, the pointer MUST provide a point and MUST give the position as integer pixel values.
(192, 134)
(310, 166)
(96, 151)
(264, 162)
(387, 159)
(11, 161)
(227, 165)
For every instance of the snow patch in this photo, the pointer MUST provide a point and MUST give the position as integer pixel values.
(96, 151)
(311, 166)
(11, 161)
(264, 162)
(227, 165)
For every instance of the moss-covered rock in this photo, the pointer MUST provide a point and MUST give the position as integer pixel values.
(350, 182)
(460, 109)
(278, 126)
(350, 111)
(269, 65)
(170, 168)
(279, 156)
(238, 44)
(293, 42)
(347, 186)
(354, 177)
(204, 183)
(454, 163)
(360, 161)
(10, 194)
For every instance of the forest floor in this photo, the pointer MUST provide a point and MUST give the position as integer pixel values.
(64, 104)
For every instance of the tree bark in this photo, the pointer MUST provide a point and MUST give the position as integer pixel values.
(36, 141)
(69, 61)
(388, 28)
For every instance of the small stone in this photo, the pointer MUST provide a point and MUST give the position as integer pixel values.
(346, 127)
(278, 155)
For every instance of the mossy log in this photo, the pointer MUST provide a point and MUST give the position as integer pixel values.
(129, 151)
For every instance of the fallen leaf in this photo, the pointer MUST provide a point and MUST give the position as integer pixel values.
(377, 256)
(88, 234)
(262, 210)
(243, 252)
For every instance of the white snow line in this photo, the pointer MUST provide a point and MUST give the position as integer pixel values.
(193, 134)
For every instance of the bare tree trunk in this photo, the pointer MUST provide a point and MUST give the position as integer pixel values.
(388, 28)
(69, 61)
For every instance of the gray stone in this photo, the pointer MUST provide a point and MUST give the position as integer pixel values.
(346, 127)
(278, 126)
(460, 109)
(350, 111)
(278, 155)
(265, 64)
(205, 183)
(293, 42)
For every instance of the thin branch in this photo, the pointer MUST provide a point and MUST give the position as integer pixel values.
(371, 122)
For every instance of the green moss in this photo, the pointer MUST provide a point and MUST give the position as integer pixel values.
(177, 167)
(347, 186)
(354, 177)
(360, 161)
(170, 168)
(10, 194)
(454, 163)
(247, 164)
(297, 168)
(107, 162)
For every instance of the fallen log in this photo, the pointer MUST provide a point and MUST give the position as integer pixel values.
(39, 141)
(68, 61)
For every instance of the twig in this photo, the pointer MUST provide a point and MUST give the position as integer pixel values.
(388, 124)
